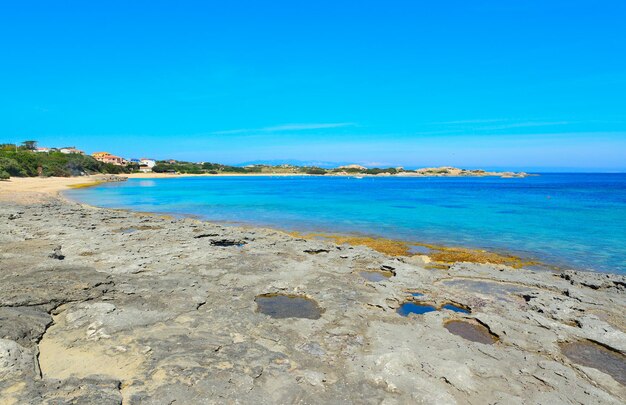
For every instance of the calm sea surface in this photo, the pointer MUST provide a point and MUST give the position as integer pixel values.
(574, 220)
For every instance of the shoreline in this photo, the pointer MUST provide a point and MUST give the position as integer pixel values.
(41, 189)
(136, 307)
(445, 255)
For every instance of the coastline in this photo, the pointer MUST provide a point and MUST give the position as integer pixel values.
(38, 190)
(138, 307)
(53, 185)
(441, 256)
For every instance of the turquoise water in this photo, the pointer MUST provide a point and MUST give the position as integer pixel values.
(571, 220)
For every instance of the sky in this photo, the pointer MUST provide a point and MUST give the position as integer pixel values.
(528, 85)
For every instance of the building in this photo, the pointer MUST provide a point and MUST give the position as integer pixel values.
(71, 149)
(147, 162)
(42, 150)
(146, 165)
(106, 157)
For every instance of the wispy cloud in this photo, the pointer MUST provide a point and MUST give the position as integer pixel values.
(502, 123)
(477, 121)
(286, 127)
(528, 124)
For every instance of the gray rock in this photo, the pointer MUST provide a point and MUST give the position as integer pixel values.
(167, 313)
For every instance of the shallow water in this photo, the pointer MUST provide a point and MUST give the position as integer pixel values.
(590, 354)
(471, 331)
(456, 308)
(576, 220)
(413, 308)
(375, 276)
(287, 306)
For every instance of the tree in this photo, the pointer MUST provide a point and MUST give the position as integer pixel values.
(30, 145)
(316, 170)
(11, 167)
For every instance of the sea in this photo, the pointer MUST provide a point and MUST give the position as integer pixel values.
(575, 221)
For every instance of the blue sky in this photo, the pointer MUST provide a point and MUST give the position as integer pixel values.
(536, 85)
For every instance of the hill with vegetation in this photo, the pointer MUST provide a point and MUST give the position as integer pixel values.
(26, 161)
(23, 161)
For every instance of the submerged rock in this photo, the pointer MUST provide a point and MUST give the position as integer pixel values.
(288, 306)
(472, 331)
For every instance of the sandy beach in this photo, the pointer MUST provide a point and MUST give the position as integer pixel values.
(33, 189)
(107, 307)
(22, 187)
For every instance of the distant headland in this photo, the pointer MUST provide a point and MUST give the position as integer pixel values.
(30, 160)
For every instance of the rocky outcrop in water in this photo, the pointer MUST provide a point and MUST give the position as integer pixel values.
(154, 310)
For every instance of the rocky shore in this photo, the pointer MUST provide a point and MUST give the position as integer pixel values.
(103, 306)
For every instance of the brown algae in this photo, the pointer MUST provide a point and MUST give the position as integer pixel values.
(442, 256)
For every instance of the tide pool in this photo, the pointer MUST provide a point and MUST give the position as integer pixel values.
(568, 220)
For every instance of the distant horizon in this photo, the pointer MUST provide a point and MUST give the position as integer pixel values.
(335, 164)
(510, 85)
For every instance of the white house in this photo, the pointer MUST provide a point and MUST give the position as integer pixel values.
(146, 165)
(147, 162)
(71, 149)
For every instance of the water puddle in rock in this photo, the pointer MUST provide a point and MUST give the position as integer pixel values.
(126, 230)
(416, 294)
(456, 308)
(414, 308)
(375, 276)
(593, 355)
(471, 331)
(287, 306)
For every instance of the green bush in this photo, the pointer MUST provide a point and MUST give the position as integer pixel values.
(26, 163)
(11, 167)
(4, 175)
(316, 170)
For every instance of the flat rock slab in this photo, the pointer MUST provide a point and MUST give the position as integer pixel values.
(168, 313)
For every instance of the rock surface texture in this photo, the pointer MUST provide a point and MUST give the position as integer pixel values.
(145, 309)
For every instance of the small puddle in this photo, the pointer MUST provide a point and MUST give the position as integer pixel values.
(126, 230)
(287, 306)
(456, 308)
(375, 276)
(471, 331)
(416, 294)
(414, 308)
(593, 355)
